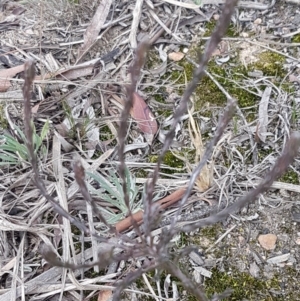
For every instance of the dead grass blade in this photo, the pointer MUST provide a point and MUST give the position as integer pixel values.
(93, 29)
(137, 12)
(263, 115)
(183, 4)
(204, 179)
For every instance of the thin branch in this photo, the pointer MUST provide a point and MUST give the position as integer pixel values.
(211, 45)
(29, 73)
(281, 165)
(185, 281)
(134, 70)
(80, 179)
(223, 122)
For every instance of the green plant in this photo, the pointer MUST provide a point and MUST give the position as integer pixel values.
(111, 191)
(14, 151)
(120, 190)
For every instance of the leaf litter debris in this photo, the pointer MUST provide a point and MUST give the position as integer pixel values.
(67, 40)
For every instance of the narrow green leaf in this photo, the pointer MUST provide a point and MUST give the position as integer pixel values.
(45, 130)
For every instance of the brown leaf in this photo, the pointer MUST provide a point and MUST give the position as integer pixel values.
(6, 74)
(93, 29)
(104, 295)
(176, 56)
(144, 117)
(68, 73)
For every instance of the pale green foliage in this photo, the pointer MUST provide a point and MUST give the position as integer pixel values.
(111, 191)
(13, 152)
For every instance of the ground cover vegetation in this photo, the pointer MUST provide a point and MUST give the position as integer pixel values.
(116, 201)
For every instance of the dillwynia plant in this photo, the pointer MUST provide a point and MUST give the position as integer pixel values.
(155, 254)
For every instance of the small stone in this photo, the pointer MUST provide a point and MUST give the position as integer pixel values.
(176, 56)
(257, 21)
(298, 241)
(196, 258)
(245, 34)
(267, 241)
(216, 17)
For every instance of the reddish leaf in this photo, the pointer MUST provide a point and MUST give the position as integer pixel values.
(144, 117)
(6, 75)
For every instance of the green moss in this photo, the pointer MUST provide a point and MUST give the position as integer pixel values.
(105, 133)
(210, 26)
(141, 173)
(3, 120)
(205, 238)
(211, 231)
(207, 94)
(153, 59)
(270, 63)
(264, 152)
(169, 159)
(290, 177)
(296, 38)
(159, 96)
(243, 284)
(295, 113)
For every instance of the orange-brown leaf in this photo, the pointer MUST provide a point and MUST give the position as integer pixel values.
(7, 74)
(144, 117)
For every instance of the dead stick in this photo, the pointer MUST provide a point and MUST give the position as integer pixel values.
(138, 216)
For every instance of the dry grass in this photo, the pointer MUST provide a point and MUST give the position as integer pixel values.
(63, 205)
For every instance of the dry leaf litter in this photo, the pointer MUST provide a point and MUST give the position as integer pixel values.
(82, 51)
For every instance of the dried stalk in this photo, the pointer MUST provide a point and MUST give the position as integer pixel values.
(211, 45)
(29, 74)
(281, 165)
(157, 255)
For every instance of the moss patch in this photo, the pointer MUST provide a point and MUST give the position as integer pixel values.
(290, 177)
(243, 284)
(270, 63)
(296, 38)
(210, 26)
(169, 159)
(3, 121)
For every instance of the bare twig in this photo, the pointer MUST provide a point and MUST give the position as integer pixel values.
(134, 70)
(29, 74)
(216, 37)
(289, 153)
